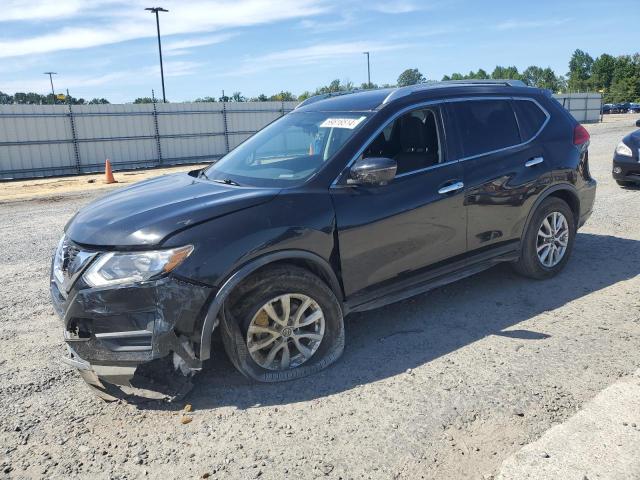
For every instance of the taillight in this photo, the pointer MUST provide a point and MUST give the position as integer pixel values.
(580, 135)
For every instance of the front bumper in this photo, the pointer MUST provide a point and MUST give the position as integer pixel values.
(629, 168)
(111, 331)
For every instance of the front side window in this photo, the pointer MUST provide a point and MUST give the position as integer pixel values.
(289, 151)
(412, 140)
(485, 125)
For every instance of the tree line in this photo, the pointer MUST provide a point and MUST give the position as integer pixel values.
(616, 77)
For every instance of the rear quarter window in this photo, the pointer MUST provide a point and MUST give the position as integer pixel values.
(485, 125)
(530, 118)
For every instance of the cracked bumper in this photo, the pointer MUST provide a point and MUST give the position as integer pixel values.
(111, 331)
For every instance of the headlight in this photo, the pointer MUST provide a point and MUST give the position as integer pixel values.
(623, 149)
(114, 268)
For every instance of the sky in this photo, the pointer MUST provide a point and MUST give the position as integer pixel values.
(108, 48)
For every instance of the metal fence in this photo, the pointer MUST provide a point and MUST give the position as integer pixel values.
(585, 107)
(49, 140)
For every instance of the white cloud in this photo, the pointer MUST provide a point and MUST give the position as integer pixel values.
(183, 47)
(514, 24)
(13, 10)
(313, 54)
(118, 22)
(402, 6)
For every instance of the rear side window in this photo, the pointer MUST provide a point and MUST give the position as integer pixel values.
(530, 118)
(485, 125)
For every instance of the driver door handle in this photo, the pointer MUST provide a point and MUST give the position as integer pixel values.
(534, 161)
(454, 187)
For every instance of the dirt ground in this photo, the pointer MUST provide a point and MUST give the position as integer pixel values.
(19, 190)
(445, 385)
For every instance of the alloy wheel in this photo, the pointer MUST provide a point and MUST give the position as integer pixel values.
(285, 332)
(552, 240)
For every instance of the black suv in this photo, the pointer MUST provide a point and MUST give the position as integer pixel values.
(348, 203)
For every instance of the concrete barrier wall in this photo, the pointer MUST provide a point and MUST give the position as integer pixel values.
(50, 140)
(585, 107)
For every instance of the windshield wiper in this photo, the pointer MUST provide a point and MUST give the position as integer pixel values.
(226, 181)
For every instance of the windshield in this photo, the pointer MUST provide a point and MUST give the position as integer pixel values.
(288, 151)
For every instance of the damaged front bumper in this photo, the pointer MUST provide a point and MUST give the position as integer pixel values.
(112, 331)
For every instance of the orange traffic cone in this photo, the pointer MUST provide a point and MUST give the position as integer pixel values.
(108, 174)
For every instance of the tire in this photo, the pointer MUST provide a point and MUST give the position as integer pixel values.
(622, 183)
(246, 304)
(530, 264)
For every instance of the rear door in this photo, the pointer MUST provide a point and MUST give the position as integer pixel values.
(503, 165)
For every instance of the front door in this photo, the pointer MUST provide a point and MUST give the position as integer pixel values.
(391, 232)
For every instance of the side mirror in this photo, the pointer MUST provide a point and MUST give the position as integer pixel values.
(372, 171)
(638, 123)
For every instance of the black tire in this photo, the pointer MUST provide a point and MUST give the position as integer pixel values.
(622, 183)
(263, 286)
(529, 265)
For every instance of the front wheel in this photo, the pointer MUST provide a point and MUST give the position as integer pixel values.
(548, 241)
(282, 323)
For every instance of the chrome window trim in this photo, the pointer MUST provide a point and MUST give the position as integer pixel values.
(443, 101)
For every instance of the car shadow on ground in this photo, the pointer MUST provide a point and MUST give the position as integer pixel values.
(390, 340)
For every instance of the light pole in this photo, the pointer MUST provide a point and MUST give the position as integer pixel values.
(53, 92)
(368, 70)
(156, 10)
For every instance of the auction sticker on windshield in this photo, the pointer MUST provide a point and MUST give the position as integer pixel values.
(349, 123)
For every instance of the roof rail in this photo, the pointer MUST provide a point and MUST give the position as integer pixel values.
(477, 81)
(317, 98)
(404, 91)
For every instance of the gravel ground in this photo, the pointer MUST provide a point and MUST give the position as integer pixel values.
(445, 385)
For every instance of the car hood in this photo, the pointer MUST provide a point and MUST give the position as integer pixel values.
(147, 212)
(633, 139)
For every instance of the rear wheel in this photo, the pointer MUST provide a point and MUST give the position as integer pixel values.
(281, 324)
(548, 241)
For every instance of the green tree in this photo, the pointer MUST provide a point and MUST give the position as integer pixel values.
(238, 97)
(143, 100)
(541, 77)
(532, 75)
(99, 101)
(506, 73)
(5, 98)
(205, 100)
(411, 76)
(579, 74)
(283, 97)
(602, 72)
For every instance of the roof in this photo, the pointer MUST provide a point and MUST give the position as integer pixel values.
(364, 100)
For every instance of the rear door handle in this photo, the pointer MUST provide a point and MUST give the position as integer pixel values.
(454, 187)
(534, 161)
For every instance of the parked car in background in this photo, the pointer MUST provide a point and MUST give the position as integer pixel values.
(634, 108)
(607, 108)
(626, 159)
(348, 203)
